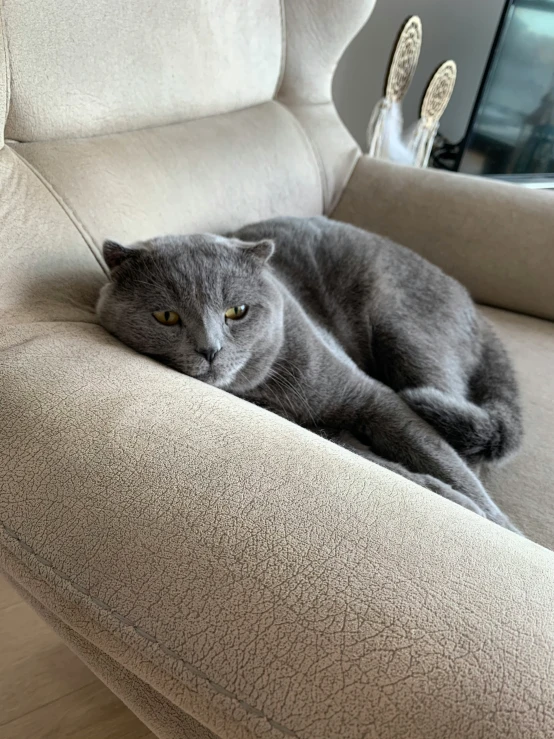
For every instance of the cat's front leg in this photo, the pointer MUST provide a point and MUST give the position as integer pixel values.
(347, 441)
(321, 389)
(395, 432)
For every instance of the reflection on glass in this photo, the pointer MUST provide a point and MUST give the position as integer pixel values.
(513, 130)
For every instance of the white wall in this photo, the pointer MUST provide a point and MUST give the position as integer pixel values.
(462, 30)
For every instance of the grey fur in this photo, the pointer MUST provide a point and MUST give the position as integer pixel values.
(346, 333)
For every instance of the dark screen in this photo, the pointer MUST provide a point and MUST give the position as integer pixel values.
(513, 128)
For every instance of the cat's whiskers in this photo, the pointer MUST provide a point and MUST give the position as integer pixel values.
(276, 374)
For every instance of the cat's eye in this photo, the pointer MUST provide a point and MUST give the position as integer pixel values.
(236, 312)
(166, 317)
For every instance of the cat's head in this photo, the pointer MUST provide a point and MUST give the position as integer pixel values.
(204, 304)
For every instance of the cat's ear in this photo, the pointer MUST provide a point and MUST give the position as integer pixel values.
(115, 254)
(261, 250)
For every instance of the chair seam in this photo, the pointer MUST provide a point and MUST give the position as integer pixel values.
(146, 636)
(180, 122)
(7, 67)
(70, 213)
(334, 204)
(323, 184)
(283, 64)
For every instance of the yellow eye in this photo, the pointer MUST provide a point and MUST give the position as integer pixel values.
(167, 317)
(236, 312)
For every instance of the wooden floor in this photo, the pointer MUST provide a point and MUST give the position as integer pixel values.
(45, 690)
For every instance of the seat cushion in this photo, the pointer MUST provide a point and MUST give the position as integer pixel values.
(524, 486)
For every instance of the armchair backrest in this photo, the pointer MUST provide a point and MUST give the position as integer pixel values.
(140, 117)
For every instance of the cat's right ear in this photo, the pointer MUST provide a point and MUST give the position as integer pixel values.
(115, 254)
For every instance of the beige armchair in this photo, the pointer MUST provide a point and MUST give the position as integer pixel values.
(226, 573)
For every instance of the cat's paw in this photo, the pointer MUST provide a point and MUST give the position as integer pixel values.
(476, 434)
(465, 426)
(501, 519)
(446, 491)
(494, 514)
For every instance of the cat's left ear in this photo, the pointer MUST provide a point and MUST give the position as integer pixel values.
(261, 250)
(115, 254)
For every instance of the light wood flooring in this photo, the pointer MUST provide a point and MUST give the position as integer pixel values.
(46, 692)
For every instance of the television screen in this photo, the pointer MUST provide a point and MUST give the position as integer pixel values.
(512, 129)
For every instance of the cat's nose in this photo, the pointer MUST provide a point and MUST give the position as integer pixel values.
(209, 352)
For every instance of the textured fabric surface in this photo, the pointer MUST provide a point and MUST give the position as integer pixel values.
(165, 720)
(495, 238)
(265, 582)
(88, 68)
(317, 33)
(48, 269)
(335, 152)
(4, 78)
(524, 486)
(184, 177)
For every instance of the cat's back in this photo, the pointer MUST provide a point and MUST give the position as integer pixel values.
(320, 256)
(297, 240)
(357, 285)
(340, 272)
(314, 255)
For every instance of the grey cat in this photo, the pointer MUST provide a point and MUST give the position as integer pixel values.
(336, 329)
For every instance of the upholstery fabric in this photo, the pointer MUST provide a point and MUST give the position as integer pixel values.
(335, 152)
(48, 270)
(264, 582)
(184, 177)
(164, 718)
(524, 486)
(225, 572)
(83, 69)
(317, 33)
(4, 78)
(495, 238)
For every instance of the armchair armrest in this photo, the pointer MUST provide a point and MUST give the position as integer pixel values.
(496, 238)
(254, 576)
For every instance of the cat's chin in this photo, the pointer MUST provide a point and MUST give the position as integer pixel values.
(207, 377)
(215, 378)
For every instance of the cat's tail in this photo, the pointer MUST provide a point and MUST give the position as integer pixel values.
(488, 426)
